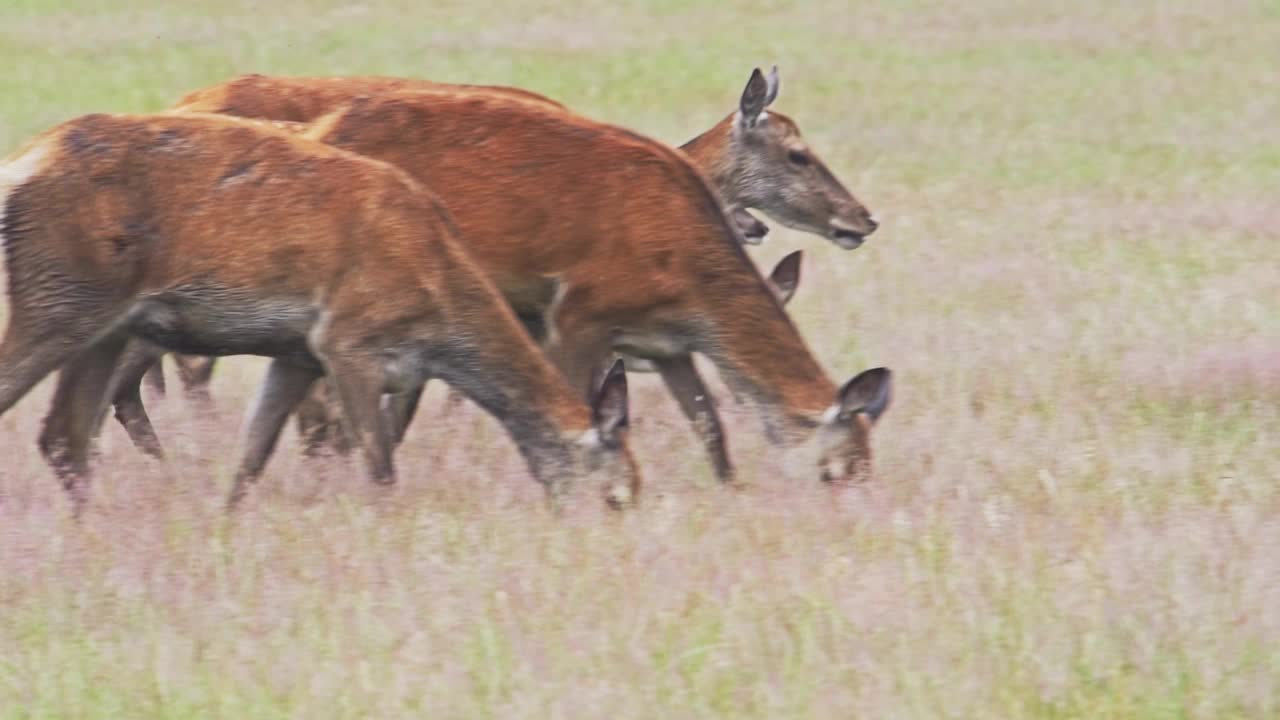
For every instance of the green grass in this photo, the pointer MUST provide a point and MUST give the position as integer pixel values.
(1075, 514)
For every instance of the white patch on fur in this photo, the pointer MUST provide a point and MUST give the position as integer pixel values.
(590, 438)
(549, 315)
(13, 174)
(20, 169)
(831, 415)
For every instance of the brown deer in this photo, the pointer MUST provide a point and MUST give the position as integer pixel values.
(641, 259)
(295, 101)
(757, 157)
(214, 236)
(318, 415)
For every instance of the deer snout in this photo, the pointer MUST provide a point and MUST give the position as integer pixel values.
(849, 233)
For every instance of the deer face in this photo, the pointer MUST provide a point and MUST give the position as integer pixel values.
(775, 171)
(845, 430)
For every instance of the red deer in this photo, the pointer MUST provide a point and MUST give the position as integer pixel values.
(319, 418)
(750, 145)
(640, 260)
(754, 157)
(299, 100)
(213, 236)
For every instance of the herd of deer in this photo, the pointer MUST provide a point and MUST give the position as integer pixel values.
(373, 233)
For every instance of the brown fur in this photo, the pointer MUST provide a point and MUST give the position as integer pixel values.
(215, 236)
(738, 152)
(303, 99)
(624, 231)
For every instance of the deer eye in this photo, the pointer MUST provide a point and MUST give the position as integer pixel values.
(795, 157)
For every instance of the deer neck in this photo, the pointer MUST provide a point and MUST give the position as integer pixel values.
(535, 405)
(759, 352)
(714, 153)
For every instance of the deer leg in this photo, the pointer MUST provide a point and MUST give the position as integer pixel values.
(155, 377)
(577, 346)
(401, 408)
(284, 387)
(25, 362)
(690, 392)
(79, 403)
(319, 422)
(137, 362)
(359, 386)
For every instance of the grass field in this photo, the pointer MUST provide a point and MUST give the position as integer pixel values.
(1076, 512)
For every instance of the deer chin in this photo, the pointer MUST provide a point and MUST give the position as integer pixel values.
(847, 239)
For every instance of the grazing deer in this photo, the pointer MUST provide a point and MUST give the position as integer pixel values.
(640, 260)
(756, 158)
(211, 235)
(319, 423)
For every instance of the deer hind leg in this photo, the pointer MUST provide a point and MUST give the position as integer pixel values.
(25, 359)
(284, 387)
(79, 403)
(690, 392)
(137, 362)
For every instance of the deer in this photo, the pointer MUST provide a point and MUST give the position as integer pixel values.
(294, 101)
(757, 158)
(211, 235)
(643, 260)
(318, 417)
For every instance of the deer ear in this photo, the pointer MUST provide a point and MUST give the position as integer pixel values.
(609, 413)
(755, 97)
(869, 392)
(785, 277)
(774, 83)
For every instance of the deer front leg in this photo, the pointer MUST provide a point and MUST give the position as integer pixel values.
(283, 388)
(686, 386)
(359, 382)
(578, 338)
(319, 421)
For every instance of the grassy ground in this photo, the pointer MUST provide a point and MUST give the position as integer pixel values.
(1076, 514)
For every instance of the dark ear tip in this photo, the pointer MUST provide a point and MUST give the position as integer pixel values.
(618, 369)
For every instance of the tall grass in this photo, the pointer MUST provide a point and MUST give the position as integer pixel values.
(1076, 511)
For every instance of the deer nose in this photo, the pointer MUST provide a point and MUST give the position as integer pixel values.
(872, 223)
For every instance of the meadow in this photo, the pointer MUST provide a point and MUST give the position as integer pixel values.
(1075, 513)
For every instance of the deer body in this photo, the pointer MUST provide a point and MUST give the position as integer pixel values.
(213, 236)
(630, 237)
(751, 155)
